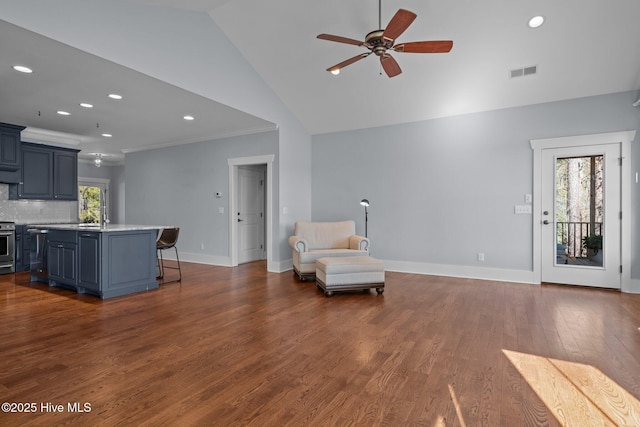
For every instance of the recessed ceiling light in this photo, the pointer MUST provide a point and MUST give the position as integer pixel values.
(107, 135)
(64, 113)
(536, 21)
(23, 69)
(115, 96)
(189, 118)
(86, 105)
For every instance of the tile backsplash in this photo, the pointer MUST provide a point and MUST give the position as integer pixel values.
(35, 211)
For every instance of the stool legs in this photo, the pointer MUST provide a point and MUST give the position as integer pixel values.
(161, 266)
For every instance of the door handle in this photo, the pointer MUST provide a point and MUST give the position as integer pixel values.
(545, 222)
(240, 220)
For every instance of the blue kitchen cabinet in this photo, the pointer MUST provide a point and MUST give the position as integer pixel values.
(10, 158)
(48, 173)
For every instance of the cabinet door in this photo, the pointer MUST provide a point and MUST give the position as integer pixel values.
(65, 175)
(62, 262)
(54, 260)
(37, 168)
(9, 148)
(69, 264)
(89, 260)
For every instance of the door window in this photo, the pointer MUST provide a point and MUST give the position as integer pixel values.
(579, 210)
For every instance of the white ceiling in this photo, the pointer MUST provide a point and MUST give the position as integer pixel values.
(149, 116)
(585, 47)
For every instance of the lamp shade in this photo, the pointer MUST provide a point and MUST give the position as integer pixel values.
(364, 202)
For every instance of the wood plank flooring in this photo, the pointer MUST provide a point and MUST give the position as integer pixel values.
(243, 347)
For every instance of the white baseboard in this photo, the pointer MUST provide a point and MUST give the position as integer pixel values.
(633, 287)
(280, 266)
(462, 271)
(197, 258)
(497, 274)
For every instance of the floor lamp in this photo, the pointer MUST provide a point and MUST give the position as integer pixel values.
(365, 203)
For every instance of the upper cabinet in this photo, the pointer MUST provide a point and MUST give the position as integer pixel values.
(65, 175)
(48, 173)
(10, 158)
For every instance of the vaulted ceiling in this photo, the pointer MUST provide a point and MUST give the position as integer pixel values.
(584, 48)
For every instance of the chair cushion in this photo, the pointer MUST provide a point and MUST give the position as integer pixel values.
(323, 235)
(347, 265)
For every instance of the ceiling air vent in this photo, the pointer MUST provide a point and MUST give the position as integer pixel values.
(526, 71)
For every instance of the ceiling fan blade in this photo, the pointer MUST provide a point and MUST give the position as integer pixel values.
(435, 46)
(390, 65)
(398, 24)
(349, 61)
(339, 39)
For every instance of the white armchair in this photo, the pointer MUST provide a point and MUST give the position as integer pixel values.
(313, 240)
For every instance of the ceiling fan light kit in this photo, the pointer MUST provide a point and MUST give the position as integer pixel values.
(381, 41)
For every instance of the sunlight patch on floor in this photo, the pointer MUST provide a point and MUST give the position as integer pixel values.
(456, 404)
(577, 394)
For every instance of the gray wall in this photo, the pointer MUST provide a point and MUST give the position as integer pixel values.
(177, 186)
(443, 190)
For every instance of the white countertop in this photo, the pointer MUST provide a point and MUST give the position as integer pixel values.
(96, 228)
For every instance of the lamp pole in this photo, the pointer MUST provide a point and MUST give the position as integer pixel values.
(365, 203)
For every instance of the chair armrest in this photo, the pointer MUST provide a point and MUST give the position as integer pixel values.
(298, 243)
(359, 243)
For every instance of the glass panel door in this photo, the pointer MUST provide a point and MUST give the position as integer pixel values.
(580, 215)
(579, 209)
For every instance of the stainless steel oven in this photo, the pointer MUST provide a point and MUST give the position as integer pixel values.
(7, 247)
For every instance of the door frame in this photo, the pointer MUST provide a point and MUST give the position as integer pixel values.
(233, 164)
(624, 139)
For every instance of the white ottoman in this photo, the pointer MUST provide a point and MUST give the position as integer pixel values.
(349, 274)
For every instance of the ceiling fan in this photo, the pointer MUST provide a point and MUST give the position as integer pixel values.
(380, 41)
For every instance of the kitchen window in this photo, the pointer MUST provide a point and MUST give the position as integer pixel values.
(93, 196)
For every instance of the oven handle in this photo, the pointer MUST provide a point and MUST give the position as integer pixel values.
(6, 265)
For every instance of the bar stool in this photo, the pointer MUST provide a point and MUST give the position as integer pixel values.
(167, 240)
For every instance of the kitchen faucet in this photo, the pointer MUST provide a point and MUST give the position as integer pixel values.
(104, 217)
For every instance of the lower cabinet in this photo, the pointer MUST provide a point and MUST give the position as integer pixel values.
(62, 263)
(89, 264)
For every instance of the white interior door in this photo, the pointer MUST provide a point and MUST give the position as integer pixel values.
(250, 214)
(581, 197)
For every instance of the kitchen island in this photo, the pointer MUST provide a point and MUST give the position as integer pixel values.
(107, 261)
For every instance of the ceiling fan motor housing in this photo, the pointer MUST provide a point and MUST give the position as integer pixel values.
(375, 42)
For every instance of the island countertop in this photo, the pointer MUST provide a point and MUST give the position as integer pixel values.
(96, 228)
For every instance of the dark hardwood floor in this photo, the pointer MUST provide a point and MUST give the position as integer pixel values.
(240, 346)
